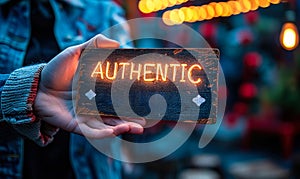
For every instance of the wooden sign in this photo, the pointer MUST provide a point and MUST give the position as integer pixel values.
(167, 84)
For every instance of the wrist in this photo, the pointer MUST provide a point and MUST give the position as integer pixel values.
(17, 101)
(19, 93)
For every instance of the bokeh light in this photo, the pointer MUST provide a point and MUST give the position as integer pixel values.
(206, 11)
(148, 6)
(289, 36)
(263, 3)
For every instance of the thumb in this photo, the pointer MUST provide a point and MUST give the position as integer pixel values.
(64, 65)
(100, 41)
(104, 42)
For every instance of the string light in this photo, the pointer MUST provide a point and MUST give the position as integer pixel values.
(289, 37)
(263, 3)
(157, 5)
(227, 11)
(171, 2)
(218, 8)
(213, 10)
(202, 13)
(164, 4)
(166, 18)
(142, 7)
(148, 6)
(274, 1)
(245, 5)
(210, 11)
(188, 13)
(235, 6)
(254, 5)
(196, 13)
(177, 16)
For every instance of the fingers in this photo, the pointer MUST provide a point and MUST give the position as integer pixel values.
(93, 127)
(109, 131)
(135, 128)
(114, 120)
(135, 124)
(141, 121)
(94, 133)
(128, 127)
(120, 129)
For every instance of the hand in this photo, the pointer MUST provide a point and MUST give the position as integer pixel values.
(54, 105)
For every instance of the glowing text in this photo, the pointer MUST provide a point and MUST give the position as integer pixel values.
(147, 72)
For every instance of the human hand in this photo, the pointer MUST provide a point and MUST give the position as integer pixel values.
(54, 105)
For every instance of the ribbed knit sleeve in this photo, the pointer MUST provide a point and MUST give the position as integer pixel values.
(3, 78)
(17, 101)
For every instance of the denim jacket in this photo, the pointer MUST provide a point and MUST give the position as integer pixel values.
(71, 27)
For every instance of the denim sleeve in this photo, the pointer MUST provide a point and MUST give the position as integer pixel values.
(122, 35)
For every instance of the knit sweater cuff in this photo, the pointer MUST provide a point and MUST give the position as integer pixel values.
(17, 99)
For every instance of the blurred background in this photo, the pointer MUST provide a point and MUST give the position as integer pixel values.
(260, 57)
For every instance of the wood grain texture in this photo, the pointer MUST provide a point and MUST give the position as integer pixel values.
(130, 97)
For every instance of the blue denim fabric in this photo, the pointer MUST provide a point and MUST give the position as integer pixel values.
(14, 36)
(11, 158)
(75, 23)
(90, 163)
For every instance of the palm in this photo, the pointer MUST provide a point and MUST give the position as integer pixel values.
(54, 104)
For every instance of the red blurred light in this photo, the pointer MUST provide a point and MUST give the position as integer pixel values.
(208, 30)
(252, 59)
(245, 37)
(248, 90)
(252, 17)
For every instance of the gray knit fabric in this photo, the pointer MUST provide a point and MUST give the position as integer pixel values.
(17, 101)
(3, 79)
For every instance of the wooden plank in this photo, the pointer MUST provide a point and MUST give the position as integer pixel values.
(120, 82)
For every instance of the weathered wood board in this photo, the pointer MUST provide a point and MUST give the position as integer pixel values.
(128, 82)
